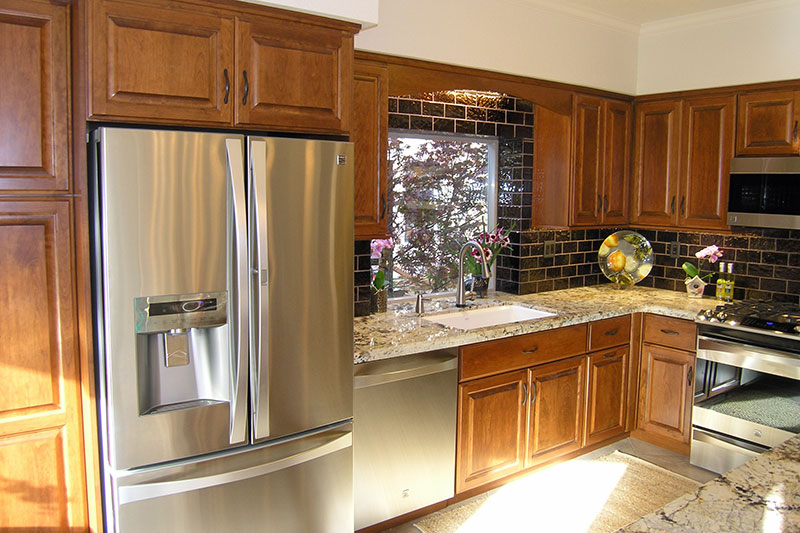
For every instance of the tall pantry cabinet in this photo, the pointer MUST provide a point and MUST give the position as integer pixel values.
(42, 467)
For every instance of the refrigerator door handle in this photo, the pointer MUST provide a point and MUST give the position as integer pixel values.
(238, 284)
(259, 358)
(146, 491)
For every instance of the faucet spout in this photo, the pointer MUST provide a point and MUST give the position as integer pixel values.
(462, 253)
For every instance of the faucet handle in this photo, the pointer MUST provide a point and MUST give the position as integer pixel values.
(419, 308)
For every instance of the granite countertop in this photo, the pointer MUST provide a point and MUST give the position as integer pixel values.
(400, 331)
(761, 495)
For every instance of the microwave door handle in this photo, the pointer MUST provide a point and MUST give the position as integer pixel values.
(239, 319)
(259, 359)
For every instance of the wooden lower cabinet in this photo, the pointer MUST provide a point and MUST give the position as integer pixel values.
(491, 432)
(556, 409)
(665, 393)
(41, 437)
(606, 403)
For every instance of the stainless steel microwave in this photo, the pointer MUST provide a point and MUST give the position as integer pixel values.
(765, 192)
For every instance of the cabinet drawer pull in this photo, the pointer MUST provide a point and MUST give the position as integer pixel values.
(246, 87)
(531, 350)
(669, 332)
(227, 86)
(611, 332)
(533, 392)
(610, 355)
(524, 393)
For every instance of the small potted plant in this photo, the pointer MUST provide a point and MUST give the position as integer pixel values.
(696, 283)
(379, 286)
(492, 243)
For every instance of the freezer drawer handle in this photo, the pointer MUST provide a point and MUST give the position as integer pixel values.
(146, 491)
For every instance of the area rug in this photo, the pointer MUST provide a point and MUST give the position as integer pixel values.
(583, 495)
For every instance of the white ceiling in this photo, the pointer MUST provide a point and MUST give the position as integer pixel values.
(638, 12)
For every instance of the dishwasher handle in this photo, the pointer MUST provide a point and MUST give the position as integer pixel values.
(400, 368)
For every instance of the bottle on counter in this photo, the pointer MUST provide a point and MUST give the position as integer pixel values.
(721, 287)
(729, 283)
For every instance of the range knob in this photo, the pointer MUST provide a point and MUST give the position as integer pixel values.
(722, 316)
(708, 314)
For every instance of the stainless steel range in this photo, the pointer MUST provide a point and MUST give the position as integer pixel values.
(747, 383)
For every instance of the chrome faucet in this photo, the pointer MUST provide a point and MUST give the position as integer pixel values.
(462, 253)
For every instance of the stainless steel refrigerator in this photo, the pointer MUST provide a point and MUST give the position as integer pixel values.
(223, 306)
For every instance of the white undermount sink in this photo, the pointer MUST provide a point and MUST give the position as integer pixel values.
(487, 316)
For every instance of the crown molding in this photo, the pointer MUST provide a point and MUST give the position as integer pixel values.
(591, 16)
(715, 16)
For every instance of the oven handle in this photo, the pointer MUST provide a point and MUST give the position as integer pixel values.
(744, 355)
(728, 443)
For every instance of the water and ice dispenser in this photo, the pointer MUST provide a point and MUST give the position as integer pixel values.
(182, 347)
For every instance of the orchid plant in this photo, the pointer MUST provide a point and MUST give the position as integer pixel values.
(710, 254)
(491, 243)
(377, 246)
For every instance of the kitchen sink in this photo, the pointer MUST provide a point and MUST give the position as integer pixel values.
(488, 316)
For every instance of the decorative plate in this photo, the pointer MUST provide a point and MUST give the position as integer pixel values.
(625, 257)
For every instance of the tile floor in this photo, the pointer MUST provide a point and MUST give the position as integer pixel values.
(664, 458)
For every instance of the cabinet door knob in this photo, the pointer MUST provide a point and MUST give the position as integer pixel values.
(227, 86)
(246, 87)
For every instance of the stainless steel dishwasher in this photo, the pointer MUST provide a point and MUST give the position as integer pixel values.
(404, 438)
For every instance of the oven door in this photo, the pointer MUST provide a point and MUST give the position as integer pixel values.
(747, 400)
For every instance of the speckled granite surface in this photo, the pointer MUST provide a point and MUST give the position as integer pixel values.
(761, 495)
(400, 332)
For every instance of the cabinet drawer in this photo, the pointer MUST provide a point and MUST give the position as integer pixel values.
(671, 332)
(609, 332)
(493, 357)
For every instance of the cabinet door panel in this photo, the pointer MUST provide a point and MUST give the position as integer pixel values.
(767, 123)
(293, 76)
(556, 409)
(491, 432)
(161, 64)
(616, 187)
(587, 197)
(607, 401)
(665, 392)
(34, 108)
(370, 136)
(41, 445)
(656, 168)
(706, 161)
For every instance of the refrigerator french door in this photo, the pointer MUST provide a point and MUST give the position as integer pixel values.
(223, 286)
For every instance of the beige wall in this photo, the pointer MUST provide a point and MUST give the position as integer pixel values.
(734, 47)
(509, 36)
(364, 12)
(754, 42)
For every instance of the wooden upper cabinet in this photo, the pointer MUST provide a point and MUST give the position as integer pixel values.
(707, 148)
(190, 63)
(587, 198)
(768, 123)
(370, 136)
(34, 108)
(41, 433)
(294, 76)
(160, 64)
(601, 170)
(618, 139)
(655, 185)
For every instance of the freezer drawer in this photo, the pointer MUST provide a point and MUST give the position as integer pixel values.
(405, 434)
(300, 485)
